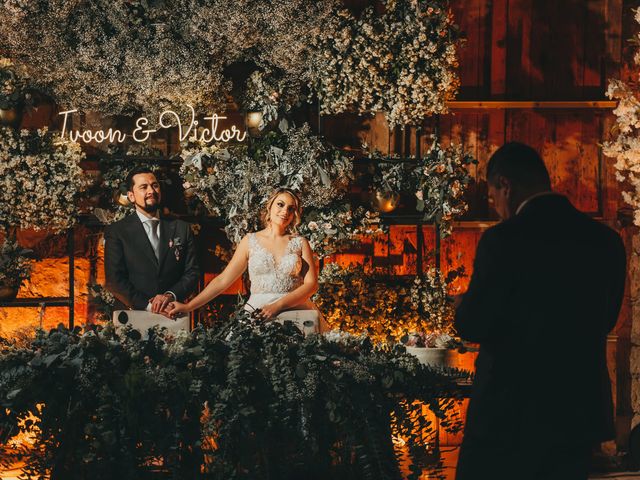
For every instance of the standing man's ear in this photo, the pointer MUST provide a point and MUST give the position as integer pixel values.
(131, 197)
(505, 183)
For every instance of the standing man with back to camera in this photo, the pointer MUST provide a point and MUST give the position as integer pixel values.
(546, 289)
(149, 261)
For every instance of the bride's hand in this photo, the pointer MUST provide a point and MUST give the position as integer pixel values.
(175, 308)
(269, 312)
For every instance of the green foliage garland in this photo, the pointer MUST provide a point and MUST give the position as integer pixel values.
(256, 401)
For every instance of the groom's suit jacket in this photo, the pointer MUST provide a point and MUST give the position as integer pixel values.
(546, 290)
(134, 274)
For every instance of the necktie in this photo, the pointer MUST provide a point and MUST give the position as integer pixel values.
(153, 236)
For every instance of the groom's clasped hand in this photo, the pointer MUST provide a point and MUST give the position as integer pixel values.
(160, 304)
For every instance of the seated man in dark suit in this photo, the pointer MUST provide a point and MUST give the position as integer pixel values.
(149, 260)
(546, 289)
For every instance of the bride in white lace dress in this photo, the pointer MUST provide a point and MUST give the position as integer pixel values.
(281, 267)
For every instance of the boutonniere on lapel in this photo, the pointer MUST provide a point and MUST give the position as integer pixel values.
(176, 244)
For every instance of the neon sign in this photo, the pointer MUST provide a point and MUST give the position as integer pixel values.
(141, 133)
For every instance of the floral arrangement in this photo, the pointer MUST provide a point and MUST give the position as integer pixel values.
(236, 180)
(439, 180)
(337, 225)
(106, 56)
(431, 298)
(103, 301)
(401, 62)
(122, 57)
(40, 179)
(442, 178)
(263, 33)
(250, 402)
(15, 264)
(12, 85)
(360, 302)
(625, 147)
(390, 173)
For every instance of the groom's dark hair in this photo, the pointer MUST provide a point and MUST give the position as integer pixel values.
(135, 171)
(520, 164)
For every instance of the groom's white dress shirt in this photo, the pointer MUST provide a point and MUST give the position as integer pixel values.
(151, 226)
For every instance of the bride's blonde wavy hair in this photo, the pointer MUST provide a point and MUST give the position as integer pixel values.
(297, 213)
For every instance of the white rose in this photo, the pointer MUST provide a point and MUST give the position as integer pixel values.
(441, 341)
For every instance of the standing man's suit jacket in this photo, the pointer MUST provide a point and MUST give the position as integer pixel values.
(546, 290)
(134, 274)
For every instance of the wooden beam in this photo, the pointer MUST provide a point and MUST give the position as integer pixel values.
(596, 104)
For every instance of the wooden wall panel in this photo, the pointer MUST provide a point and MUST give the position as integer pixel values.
(473, 18)
(527, 49)
(568, 143)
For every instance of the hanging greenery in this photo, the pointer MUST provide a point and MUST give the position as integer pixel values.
(439, 180)
(12, 85)
(338, 225)
(256, 401)
(272, 96)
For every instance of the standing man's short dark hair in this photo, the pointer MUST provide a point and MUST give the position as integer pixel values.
(515, 173)
(135, 171)
(546, 289)
(521, 164)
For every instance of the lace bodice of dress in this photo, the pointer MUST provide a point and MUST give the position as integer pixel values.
(266, 275)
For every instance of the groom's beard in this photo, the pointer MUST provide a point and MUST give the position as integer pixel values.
(151, 208)
(152, 204)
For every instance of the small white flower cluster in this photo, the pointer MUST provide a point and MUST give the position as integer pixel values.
(40, 180)
(430, 297)
(336, 225)
(625, 147)
(345, 338)
(401, 63)
(176, 342)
